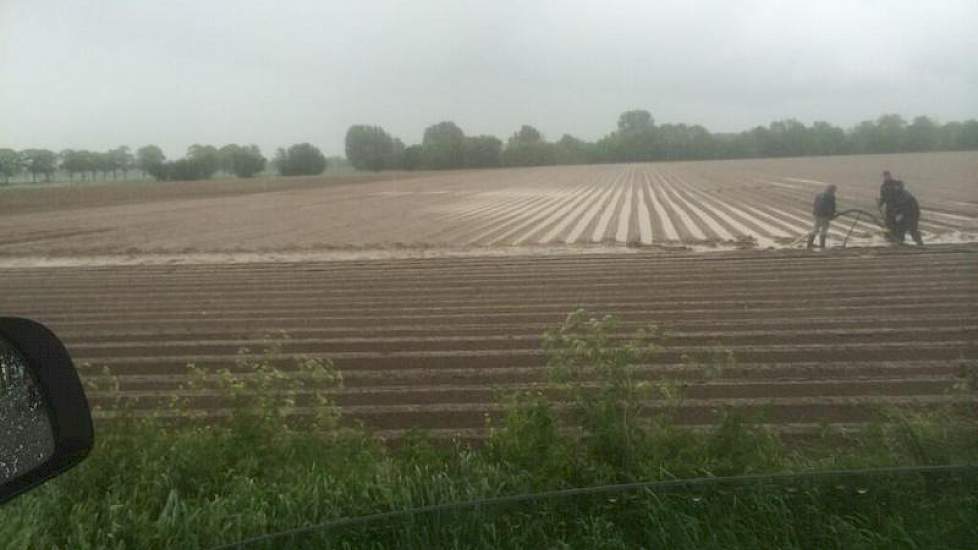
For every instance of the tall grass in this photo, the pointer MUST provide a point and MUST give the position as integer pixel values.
(203, 481)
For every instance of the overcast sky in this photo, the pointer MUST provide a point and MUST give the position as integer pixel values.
(101, 73)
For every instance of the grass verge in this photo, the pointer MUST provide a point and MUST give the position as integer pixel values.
(198, 484)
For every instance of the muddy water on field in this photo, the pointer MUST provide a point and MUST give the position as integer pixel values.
(710, 206)
(311, 256)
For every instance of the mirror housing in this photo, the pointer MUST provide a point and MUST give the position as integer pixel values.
(61, 393)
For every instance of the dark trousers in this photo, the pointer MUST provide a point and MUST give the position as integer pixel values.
(905, 226)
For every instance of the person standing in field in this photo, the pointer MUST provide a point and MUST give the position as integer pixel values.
(824, 211)
(889, 192)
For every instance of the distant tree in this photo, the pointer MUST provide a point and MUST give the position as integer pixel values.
(892, 133)
(959, 136)
(89, 163)
(150, 160)
(84, 162)
(226, 157)
(207, 160)
(413, 157)
(395, 159)
(200, 163)
(794, 136)
(183, 169)
(635, 121)
(923, 135)
(784, 138)
(635, 139)
(47, 163)
(371, 148)
(527, 147)
(482, 151)
(726, 145)
(827, 139)
(864, 137)
(764, 142)
(950, 135)
(528, 134)
(302, 159)
(571, 150)
(68, 162)
(673, 142)
(702, 142)
(443, 146)
(247, 161)
(10, 165)
(607, 148)
(104, 163)
(968, 138)
(887, 134)
(680, 141)
(122, 160)
(39, 161)
(281, 162)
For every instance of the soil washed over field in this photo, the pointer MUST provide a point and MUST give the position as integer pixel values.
(699, 205)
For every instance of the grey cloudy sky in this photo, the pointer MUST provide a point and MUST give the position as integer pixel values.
(101, 73)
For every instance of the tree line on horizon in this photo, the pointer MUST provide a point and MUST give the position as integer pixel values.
(200, 162)
(637, 138)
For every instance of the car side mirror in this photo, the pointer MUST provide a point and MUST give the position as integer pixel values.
(45, 422)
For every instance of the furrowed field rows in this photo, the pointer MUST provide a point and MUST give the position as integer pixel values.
(798, 371)
(731, 339)
(937, 348)
(480, 271)
(717, 205)
(683, 267)
(422, 309)
(400, 293)
(430, 343)
(650, 205)
(129, 333)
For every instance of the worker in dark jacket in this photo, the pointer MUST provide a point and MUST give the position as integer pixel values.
(890, 190)
(824, 211)
(906, 216)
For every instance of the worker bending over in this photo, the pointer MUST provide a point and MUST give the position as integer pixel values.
(887, 199)
(901, 210)
(906, 216)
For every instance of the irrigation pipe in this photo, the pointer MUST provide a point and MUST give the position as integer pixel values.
(860, 213)
(678, 485)
(851, 227)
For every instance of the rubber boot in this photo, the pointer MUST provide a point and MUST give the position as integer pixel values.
(811, 241)
(821, 241)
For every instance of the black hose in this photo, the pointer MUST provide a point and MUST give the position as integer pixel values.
(670, 486)
(862, 213)
(859, 211)
(845, 241)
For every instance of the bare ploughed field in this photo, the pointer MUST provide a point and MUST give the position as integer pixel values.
(744, 203)
(147, 284)
(423, 343)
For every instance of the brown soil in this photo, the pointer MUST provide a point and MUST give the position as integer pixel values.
(826, 337)
(705, 205)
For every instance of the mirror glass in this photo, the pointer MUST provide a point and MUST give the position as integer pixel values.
(26, 438)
